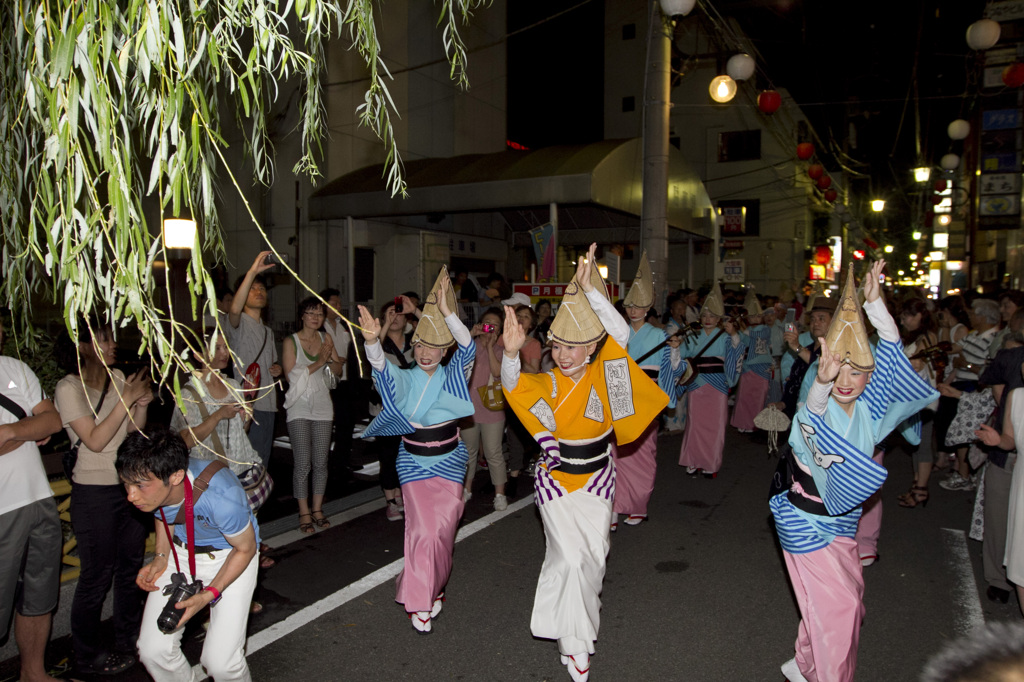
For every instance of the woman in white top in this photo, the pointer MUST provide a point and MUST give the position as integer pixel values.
(310, 410)
(225, 418)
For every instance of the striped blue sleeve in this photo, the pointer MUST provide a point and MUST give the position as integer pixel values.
(667, 377)
(390, 421)
(845, 476)
(734, 360)
(895, 391)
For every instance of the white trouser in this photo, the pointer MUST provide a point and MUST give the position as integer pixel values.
(223, 651)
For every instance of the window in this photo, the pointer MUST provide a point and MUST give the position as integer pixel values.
(739, 145)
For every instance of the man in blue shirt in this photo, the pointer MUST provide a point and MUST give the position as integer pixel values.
(158, 475)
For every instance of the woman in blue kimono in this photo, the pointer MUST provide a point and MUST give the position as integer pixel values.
(635, 463)
(856, 400)
(423, 405)
(757, 367)
(716, 353)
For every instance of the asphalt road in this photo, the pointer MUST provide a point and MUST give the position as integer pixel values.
(699, 592)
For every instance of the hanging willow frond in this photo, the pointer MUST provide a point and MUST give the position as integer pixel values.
(105, 103)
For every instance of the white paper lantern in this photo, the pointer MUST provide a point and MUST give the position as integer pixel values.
(740, 67)
(675, 8)
(950, 162)
(959, 129)
(983, 34)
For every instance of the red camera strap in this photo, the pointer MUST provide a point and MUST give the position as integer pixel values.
(190, 533)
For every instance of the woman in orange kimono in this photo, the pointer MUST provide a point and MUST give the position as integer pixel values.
(571, 411)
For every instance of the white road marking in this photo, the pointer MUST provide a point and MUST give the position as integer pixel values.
(965, 594)
(349, 592)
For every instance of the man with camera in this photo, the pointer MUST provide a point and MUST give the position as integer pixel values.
(211, 560)
(30, 536)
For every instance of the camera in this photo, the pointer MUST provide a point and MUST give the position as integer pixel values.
(271, 259)
(488, 328)
(179, 590)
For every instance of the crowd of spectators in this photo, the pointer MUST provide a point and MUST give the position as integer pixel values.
(969, 346)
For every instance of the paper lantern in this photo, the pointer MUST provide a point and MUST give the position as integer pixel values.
(676, 8)
(831, 195)
(815, 171)
(871, 242)
(941, 185)
(740, 67)
(958, 129)
(950, 162)
(822, 255)
(983, 34)
(1013, 75)
(824, 182)
(936, 199)
(804, 151)
(722, 89)
(769, 101)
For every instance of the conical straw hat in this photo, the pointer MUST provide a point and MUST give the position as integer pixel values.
(713, 302)
(641, 293)
(751, 303)
(432, 330)
(847, 335)
(576, 323)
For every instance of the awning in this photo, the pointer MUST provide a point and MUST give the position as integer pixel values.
(598, 188)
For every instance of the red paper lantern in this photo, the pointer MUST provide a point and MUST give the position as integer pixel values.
(936, 199)
(804, 151)
(1013, 75)
(831, 195)
(824, 182)
(815, 171)
(822, 255)
(941, 185)
(769, 101)
(858, 254)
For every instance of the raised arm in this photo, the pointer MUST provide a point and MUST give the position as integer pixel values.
(370, 327)
(514, 337)
(238, 303)
(613, 323)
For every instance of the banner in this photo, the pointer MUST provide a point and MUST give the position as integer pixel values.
(544, 247)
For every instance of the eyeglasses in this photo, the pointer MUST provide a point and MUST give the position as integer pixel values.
(313, 313)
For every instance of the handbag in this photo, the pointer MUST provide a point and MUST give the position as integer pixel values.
(972, 411)
(255, 480)
(330, 378)
(252, 377)
(70, 458)
(491, 396)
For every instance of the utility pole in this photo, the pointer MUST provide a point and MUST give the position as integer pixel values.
(657, 102)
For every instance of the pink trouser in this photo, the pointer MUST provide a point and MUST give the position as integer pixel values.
(750, 399)
(433, 508)
(829, 588)
(707, 409)
(635, 466)
(870, 526)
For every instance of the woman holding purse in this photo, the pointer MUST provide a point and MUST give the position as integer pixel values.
(307, 355)
(488, 424)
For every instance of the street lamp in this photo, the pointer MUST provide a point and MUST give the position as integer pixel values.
(179, 233)
(888, 248)
(878, 205)
(922, 174)
(675, 8)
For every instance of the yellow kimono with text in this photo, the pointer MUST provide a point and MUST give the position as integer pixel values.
(612, 393)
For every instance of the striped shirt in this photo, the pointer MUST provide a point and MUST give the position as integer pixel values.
(975, 352)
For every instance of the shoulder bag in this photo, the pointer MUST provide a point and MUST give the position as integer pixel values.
(251, 380)
(491, 395)
(255, 480)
